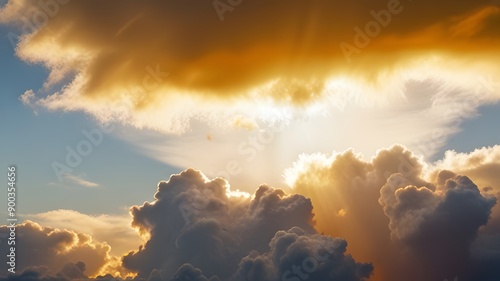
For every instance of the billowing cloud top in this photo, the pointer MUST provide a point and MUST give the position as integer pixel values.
(436, 226)
(155, 59)
(194, 224)
(53, 248)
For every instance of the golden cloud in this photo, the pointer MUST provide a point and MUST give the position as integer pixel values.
(155, 62)
(54, 247)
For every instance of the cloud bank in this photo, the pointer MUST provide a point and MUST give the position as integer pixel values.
(113, 229)
(151, 61)
(389, 218)
(421, 227)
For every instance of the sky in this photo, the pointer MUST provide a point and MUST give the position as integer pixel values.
(251, 140)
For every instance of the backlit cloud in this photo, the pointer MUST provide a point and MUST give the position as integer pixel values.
(78, 180)
(390, 212)
(53, 248)
(420, 227)
(194, 222)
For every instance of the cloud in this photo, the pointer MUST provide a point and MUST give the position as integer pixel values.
(150, 60)
(53, 248)
(112, 229)
(68, 179)
(418, 227)
(407, 218)
(439, 225)
(196, 229)
(69, 271)
(189, 273)
(74, 271)
(480, 165)
(295, 254)
(79, 180)
(422, 117)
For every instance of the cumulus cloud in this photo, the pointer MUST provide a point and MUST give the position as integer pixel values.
(196, 229)
(420, 227)
(69, 272)
(409, 219)
(189, 273)
(439, 225)
(481, 165)
(112, 229)
(295, 255)
(52, 248)
(76, 180)
(152, 62)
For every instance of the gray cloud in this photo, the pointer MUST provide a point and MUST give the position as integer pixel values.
(151, 54)
(53, 248)
(194, 224)
(410, 224)
(439, 226)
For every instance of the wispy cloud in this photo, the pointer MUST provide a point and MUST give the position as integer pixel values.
(75, 180)
(79, 180)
